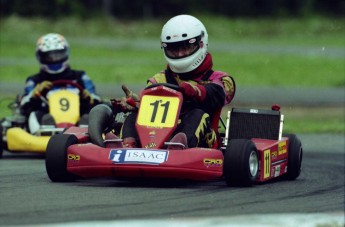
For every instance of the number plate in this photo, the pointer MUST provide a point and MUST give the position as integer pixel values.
(64, 106)
(158, 111)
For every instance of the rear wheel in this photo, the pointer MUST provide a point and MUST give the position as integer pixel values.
(56, 157)
(295, 155)
(241, 163)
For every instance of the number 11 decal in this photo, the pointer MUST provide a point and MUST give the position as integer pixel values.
(155, 108)
(158, 111)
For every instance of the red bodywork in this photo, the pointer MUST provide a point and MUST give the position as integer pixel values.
(155, 126)
(88, 160)
(273, 158)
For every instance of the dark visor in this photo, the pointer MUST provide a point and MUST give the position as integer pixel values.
(53, 56)
(183, 48)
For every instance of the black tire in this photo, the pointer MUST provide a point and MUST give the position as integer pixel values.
(295, 155)
(56, 157)
(241, 163)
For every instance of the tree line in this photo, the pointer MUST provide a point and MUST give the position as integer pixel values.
(137, 9)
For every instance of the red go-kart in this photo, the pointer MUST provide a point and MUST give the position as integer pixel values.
(251, 150)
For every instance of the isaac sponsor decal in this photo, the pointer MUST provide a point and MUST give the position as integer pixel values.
(138, 156)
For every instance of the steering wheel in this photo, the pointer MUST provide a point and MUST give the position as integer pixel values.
(172, 86)
(63, 83)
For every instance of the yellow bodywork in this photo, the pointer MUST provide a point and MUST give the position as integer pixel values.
(20, 140)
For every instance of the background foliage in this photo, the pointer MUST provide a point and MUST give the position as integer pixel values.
(154, 8)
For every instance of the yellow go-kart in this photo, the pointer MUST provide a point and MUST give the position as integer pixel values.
(63, 101)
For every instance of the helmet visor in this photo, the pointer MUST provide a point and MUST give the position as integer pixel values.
(182, 49)
(53, 56)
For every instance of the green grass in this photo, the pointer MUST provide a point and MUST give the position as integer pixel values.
(285, 52)
(282, 52)
(314, 120)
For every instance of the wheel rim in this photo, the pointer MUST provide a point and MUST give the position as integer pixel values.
(253, 163)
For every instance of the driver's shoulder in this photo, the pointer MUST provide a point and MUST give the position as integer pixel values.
(159, 77)
(78, 73)
(35, 78)
(218, 74)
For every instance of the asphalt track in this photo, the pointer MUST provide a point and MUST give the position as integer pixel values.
(28, 197)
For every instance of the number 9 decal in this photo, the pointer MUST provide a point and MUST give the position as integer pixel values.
(64, 103)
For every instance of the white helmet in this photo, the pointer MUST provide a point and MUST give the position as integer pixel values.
(187, 34)
(52, 52)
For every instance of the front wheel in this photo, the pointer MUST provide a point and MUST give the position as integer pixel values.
(241, 163)
(56, 157)
(295, 155)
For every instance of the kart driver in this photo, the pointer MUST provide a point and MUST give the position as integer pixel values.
(184, 41)
(53, 52)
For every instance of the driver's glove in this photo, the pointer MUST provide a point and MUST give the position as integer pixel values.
(190, 91)
(42, 88)
(130, 94)
(87, 97)
(128, 103)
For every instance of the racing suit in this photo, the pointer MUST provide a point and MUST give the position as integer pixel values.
(196, 116)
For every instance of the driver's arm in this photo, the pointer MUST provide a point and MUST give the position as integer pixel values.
(30, 99)
(90, 87)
